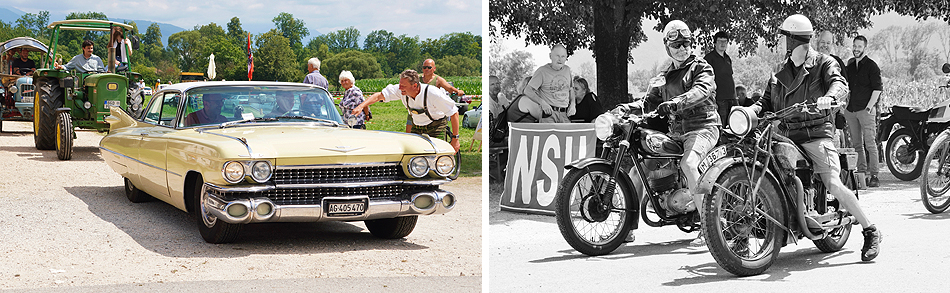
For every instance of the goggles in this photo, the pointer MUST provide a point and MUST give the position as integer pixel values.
(680, 44)
(800, 38)
(676, 34)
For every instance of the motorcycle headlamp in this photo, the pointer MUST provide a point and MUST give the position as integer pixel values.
(742, 120)
(604, 125)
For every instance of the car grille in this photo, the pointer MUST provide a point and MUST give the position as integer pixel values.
(300, 196)
(345, 174)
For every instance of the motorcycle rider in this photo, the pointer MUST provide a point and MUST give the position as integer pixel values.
(810, 76)
(685, 90)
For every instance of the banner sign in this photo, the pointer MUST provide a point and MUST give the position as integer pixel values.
(537, 154)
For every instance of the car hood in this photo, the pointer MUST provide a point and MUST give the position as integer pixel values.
(302, 144)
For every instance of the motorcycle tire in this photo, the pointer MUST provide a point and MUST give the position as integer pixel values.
(579, 210)
(935, 180)
(742, 239)
(903, 158)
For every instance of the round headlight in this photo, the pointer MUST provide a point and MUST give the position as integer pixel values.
(444, 165)
(233, 172)
(418, 166)
(741, 120)
(604, 125)
(260, 171)
(87, 105)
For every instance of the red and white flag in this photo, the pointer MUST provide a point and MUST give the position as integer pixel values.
(250, 58)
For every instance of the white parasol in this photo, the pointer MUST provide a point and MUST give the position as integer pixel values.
(211, 67)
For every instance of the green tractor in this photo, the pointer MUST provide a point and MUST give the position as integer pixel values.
(65, 99)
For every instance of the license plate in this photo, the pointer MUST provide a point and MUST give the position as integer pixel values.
(26, 99)
(346, 208)
(714, 155)
(112, 103)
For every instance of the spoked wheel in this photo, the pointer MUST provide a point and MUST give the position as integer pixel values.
(741, 228)
(904, 158)
(594, 217)
(935, 184)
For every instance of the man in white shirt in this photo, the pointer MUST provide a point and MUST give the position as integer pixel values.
(428, 106)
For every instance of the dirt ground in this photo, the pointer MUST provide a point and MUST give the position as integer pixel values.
(68, 225)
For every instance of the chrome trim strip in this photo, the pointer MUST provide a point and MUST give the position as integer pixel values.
(258, 188)
(140, 162)
(249, 151)
(329, 166)
(365, 184)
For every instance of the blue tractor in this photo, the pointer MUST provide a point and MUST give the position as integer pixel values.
(16, 84)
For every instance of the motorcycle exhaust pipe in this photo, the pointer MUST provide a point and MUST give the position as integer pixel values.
(800, 208)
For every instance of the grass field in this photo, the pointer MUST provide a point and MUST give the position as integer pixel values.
(392, 117)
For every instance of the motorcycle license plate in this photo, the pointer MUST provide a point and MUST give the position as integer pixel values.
(714, 155)
(346, 208)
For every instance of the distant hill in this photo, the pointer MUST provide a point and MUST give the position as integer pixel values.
(10, 15)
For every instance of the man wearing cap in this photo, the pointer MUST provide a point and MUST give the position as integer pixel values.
(722, 67)
(812, 77)
(685, 90)
(550, 87)
(210, 112)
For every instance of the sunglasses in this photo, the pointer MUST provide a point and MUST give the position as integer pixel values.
(677, 45)
(426, 67)
(675, 34)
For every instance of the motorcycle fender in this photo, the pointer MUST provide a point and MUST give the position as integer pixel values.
(884, 131)
(708, 179)
(586, 162)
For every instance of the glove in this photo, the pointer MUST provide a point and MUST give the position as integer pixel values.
(824, 103)
(666, 108)
(622, 108)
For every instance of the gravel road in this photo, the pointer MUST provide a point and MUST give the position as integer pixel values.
(68, 225)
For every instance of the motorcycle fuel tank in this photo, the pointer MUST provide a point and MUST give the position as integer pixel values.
(659, 144)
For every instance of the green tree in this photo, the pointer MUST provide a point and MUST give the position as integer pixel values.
(458, 66)
(618, 25)
(274, 58)
(235, 32)
(187, 48)
(153, 35)
(378, 41)
(363, 65)
(36, 24)
(454, 44)
(342, 40)
(291, 28)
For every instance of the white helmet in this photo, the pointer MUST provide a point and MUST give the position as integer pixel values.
(797, 24)
(676, 30)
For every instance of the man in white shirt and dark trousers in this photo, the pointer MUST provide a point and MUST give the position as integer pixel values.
(430, 108)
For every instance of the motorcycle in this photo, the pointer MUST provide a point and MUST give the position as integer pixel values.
(599, 199)
(935, 180)
(761, 193)
(907, 145)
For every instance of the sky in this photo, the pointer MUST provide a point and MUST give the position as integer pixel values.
(423, 18)
(652, 50)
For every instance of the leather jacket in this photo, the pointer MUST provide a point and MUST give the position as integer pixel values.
(694, 85)
(819, 76)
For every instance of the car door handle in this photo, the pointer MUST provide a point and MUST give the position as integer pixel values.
(143, 134)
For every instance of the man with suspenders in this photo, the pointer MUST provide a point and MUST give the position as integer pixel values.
(429, 107)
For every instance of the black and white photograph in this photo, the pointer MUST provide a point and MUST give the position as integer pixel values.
(779, 146)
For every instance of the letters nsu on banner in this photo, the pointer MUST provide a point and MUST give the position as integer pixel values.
(536, 158)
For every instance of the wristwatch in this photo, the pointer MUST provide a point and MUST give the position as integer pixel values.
(455, 136)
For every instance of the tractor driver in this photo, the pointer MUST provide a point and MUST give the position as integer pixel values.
(23, 65)
(85, 62)
(209, 113)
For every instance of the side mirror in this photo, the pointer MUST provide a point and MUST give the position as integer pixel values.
(135, 42)
(946, 68)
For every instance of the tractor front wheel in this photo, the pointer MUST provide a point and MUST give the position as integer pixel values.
(64, 136)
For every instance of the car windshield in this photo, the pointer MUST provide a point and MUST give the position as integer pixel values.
(220, 104)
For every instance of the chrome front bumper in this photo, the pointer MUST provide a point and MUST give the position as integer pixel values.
(262, 209)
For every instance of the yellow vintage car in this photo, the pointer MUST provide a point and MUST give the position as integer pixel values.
(236, 153)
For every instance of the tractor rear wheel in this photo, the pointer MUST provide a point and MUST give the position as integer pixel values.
(49, 98)
(64, 136)
(135, 100)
